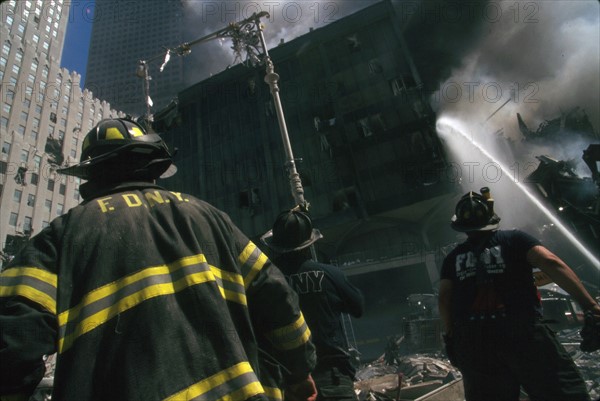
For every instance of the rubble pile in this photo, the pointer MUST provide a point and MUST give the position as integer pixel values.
(403, 377)
(588, 363)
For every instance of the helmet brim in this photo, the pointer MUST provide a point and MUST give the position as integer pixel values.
(144, 145)
(267, 239)
(465, 229)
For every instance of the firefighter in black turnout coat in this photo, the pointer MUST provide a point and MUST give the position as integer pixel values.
(325, 294)
(491, 311)
(145, 293)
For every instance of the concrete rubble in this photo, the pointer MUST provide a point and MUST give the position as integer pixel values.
(422, 375)
(400, 376)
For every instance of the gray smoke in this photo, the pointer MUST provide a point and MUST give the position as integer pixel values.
(544, 56)
(544, 59)
(287, 20)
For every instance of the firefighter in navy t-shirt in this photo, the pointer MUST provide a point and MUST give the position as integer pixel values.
(491, 311)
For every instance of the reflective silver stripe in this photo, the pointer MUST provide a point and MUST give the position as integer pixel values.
(236, 383)
(35, 284)
(102, 304)
(291, 336)
(231, 285)
(253, 260)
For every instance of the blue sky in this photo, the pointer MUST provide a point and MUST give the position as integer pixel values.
(77, 40)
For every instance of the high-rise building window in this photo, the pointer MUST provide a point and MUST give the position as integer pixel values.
(24, 155)
(31, 200)
(6, 46)
(50, 185)
(17, 195)
(35, 178)
(6, 148)
(59, 209)
(12, 221)
(27, 225)
(48, 205)
(37, 162)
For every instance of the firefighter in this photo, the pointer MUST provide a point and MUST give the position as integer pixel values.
(325, 293)
(491, 311)
(145, 293)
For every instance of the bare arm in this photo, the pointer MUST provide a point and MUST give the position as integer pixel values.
(561, 274)
(445, 305)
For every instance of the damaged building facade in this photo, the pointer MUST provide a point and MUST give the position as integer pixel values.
(363, 133)
(44, 118)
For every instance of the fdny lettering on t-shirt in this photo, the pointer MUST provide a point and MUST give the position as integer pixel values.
(491, 260)
(149, 200)
(306, 282)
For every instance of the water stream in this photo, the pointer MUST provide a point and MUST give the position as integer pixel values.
(451, 129)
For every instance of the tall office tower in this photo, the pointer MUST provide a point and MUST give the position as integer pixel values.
(125, 32)
(43, 118)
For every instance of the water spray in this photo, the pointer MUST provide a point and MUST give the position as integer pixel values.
(448, 123)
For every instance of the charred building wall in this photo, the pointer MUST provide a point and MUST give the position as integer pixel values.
(368, 154)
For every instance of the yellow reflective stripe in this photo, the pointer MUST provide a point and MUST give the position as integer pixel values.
(90, 323)
(256, 266)
(40, 298)
(273, 393)
(129, 302)
(111, 288)
(234, 296)
(291, 336)
(43, 294)
(236, 383)
(238, 282)
(229, 276)
(34, 272)
(111, 307)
